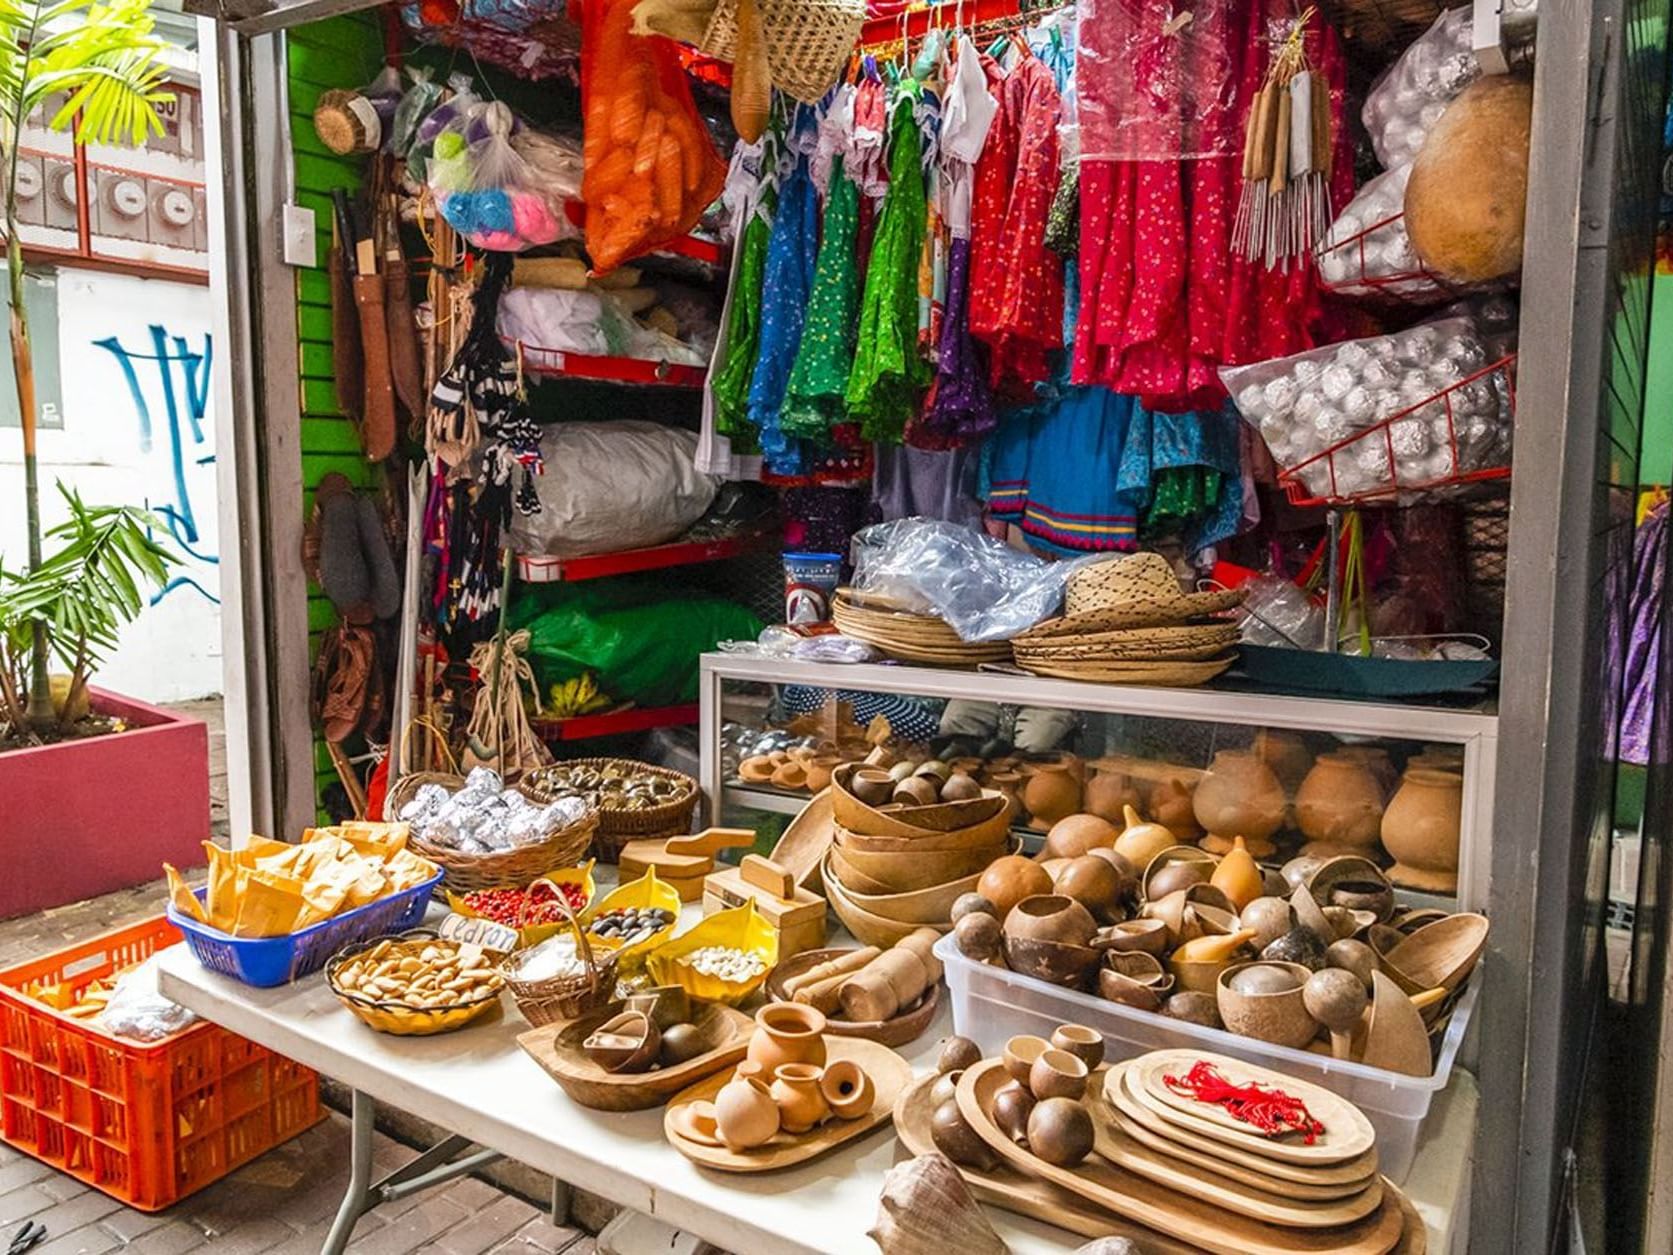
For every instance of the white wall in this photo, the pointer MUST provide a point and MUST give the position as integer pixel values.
(112, 382)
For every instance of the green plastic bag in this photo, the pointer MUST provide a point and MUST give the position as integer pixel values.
(640, 637)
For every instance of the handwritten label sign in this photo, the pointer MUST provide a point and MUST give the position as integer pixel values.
(481, 933)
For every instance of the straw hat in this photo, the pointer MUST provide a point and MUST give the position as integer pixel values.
(914, 637)
(1161, 674)
(1139, 590)
(808, 41)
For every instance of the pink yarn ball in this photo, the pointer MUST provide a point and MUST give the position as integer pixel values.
(534, 219)
(499, 241)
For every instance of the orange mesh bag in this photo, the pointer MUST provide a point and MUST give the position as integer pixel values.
(650, 167)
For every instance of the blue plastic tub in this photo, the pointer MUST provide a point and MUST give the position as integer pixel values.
(268, 961)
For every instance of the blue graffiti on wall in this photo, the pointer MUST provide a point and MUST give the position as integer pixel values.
(191, 403)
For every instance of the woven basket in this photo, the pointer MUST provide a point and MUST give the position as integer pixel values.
(617, 827)
(466, 873)
(545, 1002)
(808, 41)
(388, 1016)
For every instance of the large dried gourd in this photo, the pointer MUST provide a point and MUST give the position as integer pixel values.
(1466, 201)
(752, 85)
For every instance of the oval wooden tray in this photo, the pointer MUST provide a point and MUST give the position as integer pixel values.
(890, 1074)
(1184, 1215)
(906, 1026)
(557, 1049)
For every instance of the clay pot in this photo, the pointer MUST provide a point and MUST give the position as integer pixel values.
(1339, 806)
(1049, 936)
(1172, 805)
(1052, 792)
(1019, 1055)
(745, 1113)
(1057, 1074)
(1265, 1001)
(1108, 794)
(1009, 880)
(1074, 835)
(872, 785)
(1239, 795)
(796, 1091)
(1086, 1044)
(960, 788)
(1095, 884)
(847, 1090)
(787, 1032)
(1420, 829)
(1010, 784)
(1285, 753)
(1375, 759)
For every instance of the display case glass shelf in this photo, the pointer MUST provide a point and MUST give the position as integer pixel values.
(1293, 775)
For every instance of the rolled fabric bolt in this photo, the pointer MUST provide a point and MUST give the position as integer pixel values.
(853, 961)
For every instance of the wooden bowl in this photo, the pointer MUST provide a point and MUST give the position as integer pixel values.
(909, 821)
(905, 1026)
(902, 872)
(932, 905)
(853, 878)
(557, 1049)
(866, 928)
(1440, 955)
(992, 832)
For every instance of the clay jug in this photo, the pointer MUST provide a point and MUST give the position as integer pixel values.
(801, 1105)
(745, 1113)
(1051, 792)
(1420, 829)
(1375, 759)
(1010, 784)
(1108, 794)
(1286, 755)
(787, 1032)
(1171, 806)
(1339, 807)
(1240, 796)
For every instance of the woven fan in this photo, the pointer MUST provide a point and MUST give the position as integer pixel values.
(1284, 209)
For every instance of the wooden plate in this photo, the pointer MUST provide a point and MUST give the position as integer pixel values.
(802, 846)
(890, 1074)
(1351, 1173)
(557, 1049)
(1348, 1134)
(1006, 1188)
(1185, 1216)
(907, 1025)
(1191, 1175)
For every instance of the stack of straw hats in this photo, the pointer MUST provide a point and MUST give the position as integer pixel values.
(1129, 622)
(913, 637)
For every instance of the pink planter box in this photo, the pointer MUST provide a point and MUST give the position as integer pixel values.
(87, 817)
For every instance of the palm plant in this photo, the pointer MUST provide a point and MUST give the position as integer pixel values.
(80, 596)
(102, 59)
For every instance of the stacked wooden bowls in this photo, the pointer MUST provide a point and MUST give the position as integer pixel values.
(893, 869)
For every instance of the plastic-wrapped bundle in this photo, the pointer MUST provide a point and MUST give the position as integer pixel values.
(1411, 94)
(501, 187)
(1386, 416)
(1368, 252)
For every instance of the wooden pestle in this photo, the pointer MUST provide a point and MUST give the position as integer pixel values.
(843, 964)
(893, 980)
(825, 995)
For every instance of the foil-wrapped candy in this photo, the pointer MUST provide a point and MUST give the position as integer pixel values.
(1411, 95)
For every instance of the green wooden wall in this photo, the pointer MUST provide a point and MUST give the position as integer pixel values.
(339, 52)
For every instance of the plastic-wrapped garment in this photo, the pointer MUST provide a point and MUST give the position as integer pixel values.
(651, 168)
(611, 486)
(1411, 94)
(813, 401)
(1016, 296)
(792, 253)
(888, 373)
(982, 587)
(586, 322)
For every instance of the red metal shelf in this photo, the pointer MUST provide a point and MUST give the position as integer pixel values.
(539, 570)
(912, 20)
(691, 246)
(557, 364)
(615, 722)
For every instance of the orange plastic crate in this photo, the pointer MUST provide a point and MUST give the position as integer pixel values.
(147, 1123)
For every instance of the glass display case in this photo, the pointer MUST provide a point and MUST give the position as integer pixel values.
(1410, 787)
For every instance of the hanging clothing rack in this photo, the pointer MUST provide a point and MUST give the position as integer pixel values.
(887, 36)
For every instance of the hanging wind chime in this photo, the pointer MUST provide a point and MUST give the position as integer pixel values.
(1284, 210)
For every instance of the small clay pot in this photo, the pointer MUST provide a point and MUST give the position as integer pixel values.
(902, 771)
(971, 904)
(1060, 1131)
(1108, 794)
(1086, 1044)
(1339, 806)
(1240, 794)
(1422, 823)
(1020, 1053)
(787, 1032)
(801, 1105)
(1076, 834)
(1057, 1074)
(847, 1090)
(945, 1087)
(1011, 878)
(1051, 792)
(745, 1114)
(1012, 1106)
(1265, 1001)
(960, 788)
(628, 1042)
(680, 1043)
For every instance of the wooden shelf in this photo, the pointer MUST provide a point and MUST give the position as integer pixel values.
(540, 570)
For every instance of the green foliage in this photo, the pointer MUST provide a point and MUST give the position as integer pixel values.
(96, 580)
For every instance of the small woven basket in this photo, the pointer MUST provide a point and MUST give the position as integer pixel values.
(466, 873)
(396, 1018)
(808, 41)
(558, 998)
(617, 827)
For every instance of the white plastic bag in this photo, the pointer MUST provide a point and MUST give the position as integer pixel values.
(612, 486)
(1411, 94)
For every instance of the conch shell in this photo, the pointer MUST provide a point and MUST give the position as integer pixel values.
(927, 1209)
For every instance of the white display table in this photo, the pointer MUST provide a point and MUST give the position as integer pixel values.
(479, 1084)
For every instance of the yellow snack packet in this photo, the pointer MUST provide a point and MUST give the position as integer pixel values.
(407, 869)
(181, 895)
(269, 905)
(259, 849)
(365, 880)
(221, 902)
(322, 897)
(374, 840)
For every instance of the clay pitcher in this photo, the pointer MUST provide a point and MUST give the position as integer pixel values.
(1240, 796)
(1107, 796)
(1420, 829)
(1052, 791)
(1339, 807)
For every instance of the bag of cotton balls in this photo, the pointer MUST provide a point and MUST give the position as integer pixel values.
(1367, 418)
(1412, 93)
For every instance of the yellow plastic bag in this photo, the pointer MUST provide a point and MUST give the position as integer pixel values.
(741, 928)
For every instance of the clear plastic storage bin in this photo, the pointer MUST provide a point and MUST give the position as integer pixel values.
(992, 1004)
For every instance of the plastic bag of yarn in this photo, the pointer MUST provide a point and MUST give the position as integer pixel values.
(651, 167)
(487, 191)
(1410, 96)
(456, 100)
